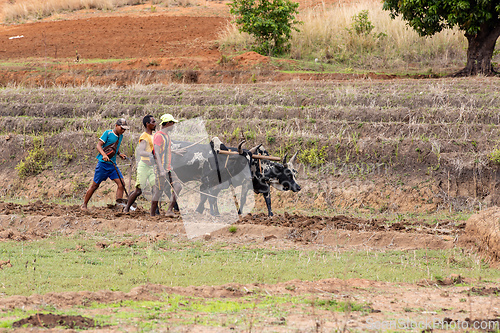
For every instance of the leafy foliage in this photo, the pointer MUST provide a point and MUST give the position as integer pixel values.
(428, 17)
(480, 20)
(270, 22)
(361, 38)
(494, 156)
(36, 162)
(313, 156)
(361, 25)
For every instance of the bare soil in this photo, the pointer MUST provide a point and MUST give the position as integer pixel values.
(425, 300)
(51, 321)
(114, 38)
(384, 297)
(147, 47)
(41, 220)
(178, 45)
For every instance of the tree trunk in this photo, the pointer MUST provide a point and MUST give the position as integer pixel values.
(480, 51)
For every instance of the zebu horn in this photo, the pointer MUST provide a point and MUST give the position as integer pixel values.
(284, 160)
(254, 149)
(240, 151)
(292, 160)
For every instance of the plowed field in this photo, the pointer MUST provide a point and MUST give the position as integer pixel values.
(376, 239)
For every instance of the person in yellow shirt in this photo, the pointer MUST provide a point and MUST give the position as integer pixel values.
(146, 165)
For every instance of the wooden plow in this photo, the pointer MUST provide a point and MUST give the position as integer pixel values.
(253, 151)
(256, 156)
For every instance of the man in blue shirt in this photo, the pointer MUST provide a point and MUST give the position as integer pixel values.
(106, 165)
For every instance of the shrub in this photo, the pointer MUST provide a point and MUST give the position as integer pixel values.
(494, 156)
(270, 22)
(153, 63)
(224, 60)
(326, 34)
(271, 135)
(36, 162)
(314, 156)
(361, 25)
(191, 76)
(250, 134)
(14, 10)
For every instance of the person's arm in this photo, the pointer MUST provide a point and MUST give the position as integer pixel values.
(122, 156)
(163, 173)
(100, 143)
(143, 145)
(158, 142)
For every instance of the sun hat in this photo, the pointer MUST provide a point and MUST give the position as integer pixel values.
(122, 123)
(167, 117)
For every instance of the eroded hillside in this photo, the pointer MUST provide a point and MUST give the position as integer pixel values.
(399, 146)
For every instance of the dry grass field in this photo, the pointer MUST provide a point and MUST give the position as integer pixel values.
(395, 227)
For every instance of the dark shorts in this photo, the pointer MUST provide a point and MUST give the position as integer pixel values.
(104, 171)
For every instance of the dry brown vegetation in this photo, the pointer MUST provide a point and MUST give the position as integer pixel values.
(327, 35)
(23, 9)
(391, 168)
(423, 143)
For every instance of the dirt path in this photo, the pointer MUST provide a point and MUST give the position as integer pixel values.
(39, 220)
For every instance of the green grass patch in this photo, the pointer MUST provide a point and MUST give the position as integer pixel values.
(37, 265)
(15, 63)
(176, 310)
(172, 303)
(338, 306)
(102, 61)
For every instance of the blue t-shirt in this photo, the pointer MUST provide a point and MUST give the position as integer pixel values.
(109, 137)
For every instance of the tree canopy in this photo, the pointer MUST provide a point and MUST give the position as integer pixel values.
(270, 21)
(478, 19)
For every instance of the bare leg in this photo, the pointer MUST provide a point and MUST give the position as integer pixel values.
(154, 202)
(132, 198)
(154, 205)
(119, 190)
(267, 198)
(170, 210)
(94, 186)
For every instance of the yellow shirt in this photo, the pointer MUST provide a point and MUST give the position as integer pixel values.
(149, 147)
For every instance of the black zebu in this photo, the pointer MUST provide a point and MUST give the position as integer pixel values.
(215, 172)
(266, 173)
(221, 171)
